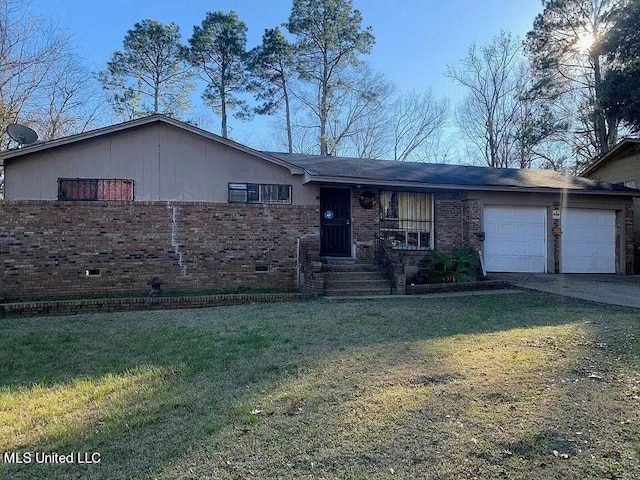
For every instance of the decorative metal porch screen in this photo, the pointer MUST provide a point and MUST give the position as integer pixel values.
(94, 189)
(406, 219)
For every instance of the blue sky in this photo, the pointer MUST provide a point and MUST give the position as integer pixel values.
(415, 39)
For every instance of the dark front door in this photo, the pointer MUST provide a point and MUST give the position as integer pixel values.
(335, 222)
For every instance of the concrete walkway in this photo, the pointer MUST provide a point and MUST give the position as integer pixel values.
(427, 295)
(621, 290)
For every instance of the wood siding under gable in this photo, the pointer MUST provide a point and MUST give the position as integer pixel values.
(165, 162)
(619, 170)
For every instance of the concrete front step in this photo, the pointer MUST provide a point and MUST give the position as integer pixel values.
(355, 276)
(356, 292)
(350, 267)
(372, 282)
(338, 260)
(354, 279)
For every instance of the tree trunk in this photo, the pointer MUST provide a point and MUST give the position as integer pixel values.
(223, 113)
(156, 101)
(225, 133)
(287, 113)
(156, 93)
(324, 107)
(599, 123)
(323, 124)
(493, 154)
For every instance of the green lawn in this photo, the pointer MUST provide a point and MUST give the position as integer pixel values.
(524, 386)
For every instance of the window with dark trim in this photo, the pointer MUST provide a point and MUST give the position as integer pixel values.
(94, 189)
(260, 193)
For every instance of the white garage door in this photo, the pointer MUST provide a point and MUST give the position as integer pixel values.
(515, 239)
(588, 241)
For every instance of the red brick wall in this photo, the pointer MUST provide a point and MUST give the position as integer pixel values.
(46, 246)
(472, 222)
(366, 223)
(448, 216)
(556, 239)
(457, 221)
(631, 241)
(310, 274)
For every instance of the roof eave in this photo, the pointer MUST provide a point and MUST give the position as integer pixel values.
(309, 178)
(610, 155)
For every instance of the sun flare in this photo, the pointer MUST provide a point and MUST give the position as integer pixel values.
(585, 41)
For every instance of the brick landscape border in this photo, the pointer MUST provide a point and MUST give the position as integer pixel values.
(457, 287)
(68, 307)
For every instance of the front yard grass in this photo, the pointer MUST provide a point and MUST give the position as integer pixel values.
(493, 387)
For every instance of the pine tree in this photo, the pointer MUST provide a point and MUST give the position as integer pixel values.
(218, 51)
(150, 74)
(567, 66)
(272, 64)
(621, 85)
(329, 41)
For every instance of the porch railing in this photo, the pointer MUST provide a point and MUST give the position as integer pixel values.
(392, 269)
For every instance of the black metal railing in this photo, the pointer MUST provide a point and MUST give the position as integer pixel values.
(384, 260)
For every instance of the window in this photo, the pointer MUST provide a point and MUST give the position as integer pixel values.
(94, 189)
(631, 184)
(259, 193)
(406, 219)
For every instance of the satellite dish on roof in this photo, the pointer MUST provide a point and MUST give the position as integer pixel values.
(22, 134)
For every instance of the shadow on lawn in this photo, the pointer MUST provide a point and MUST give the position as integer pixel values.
(206, 369)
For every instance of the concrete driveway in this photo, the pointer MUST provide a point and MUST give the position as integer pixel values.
(612, 289)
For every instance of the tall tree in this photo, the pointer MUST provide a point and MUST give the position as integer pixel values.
(417, 119)
(218, 51)
(150, 74)
(362, 94)
(621, 84)
(63, 108)
(29, 50)
(42, 82)
(329, 41)
(371, 135)
(272, 64)
(498, 119)
(567, 64)
(533, 129)
(489, 73)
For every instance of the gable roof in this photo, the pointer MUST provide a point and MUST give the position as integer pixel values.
(157, 118)
(622, 149)
(345, 170)
(432, 175)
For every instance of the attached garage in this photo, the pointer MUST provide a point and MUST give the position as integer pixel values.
(515, 239)
(588, 241)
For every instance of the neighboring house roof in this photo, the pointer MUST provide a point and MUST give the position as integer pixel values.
(432, 175)
(625, 147)
(158, 118)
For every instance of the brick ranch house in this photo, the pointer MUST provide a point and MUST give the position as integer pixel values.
(106, 210)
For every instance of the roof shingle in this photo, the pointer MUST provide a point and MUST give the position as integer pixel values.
(387, 171)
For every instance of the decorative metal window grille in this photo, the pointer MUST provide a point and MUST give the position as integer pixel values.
(94, 189)
(259, 193)
(406, 219)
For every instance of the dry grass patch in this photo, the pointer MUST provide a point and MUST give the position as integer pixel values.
(516, 386)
